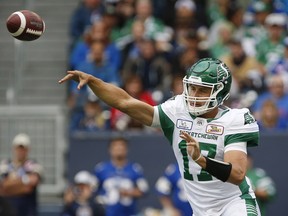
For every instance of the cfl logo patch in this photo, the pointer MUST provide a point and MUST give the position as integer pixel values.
(184, 124)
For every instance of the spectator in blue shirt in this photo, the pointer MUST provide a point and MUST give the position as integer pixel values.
(277, 93)
(84, 15)
(99, 31)
(97, 66)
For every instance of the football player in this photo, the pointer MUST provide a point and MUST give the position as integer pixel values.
(171, 193)
(121, 182)
(209, 140)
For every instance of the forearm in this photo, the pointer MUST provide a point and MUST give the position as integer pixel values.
(121, 100)
(230, 172)
(113, 96)
(135, 193)
(12, 187)
(110, 94)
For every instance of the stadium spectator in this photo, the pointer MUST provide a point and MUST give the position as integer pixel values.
(97, 32)
(188, 57)
(130, 45)
(262, 183)
(277, 93)
(281, 67)
(270, 119)
(217, 10)
(254, 19)
(187, 49)
(121, 183)
(93, 117)
(248, 74)
(176, 86)
(224, 34)
(271, 48)
(171, 192)
(134, 87)
(124, 11)
(84, 15)
(154, 70)
(144, 13)
(78, 198)
(20, 177)
(97, 66)
(185, 20)
(209, 140)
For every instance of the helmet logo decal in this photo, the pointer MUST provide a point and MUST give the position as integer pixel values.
(224, 72)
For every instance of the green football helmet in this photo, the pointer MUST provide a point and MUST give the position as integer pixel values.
(210, 73)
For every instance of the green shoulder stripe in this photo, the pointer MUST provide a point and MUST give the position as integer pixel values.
(166, 124)
(252, 139)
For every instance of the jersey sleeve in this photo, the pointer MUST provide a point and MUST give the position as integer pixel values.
(242, 128)
(168, 112)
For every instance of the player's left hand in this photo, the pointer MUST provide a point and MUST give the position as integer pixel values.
(193, 148)
(78, 76)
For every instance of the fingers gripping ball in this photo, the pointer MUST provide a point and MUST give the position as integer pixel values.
(25, 25)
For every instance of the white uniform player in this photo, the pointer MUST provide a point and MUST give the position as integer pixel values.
(207, 194)
(209, 140)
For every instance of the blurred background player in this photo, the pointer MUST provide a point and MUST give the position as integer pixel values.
(20, 177)
(121, 182)
(79, 200)
(263, 185)
(171, 193)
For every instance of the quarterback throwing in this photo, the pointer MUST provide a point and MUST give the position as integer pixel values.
(209, 140)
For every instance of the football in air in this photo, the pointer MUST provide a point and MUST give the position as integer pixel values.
(25, 25)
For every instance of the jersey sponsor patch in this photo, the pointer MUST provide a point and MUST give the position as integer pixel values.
(184, 124)
(214, 129)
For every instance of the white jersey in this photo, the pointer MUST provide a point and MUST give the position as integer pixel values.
(207, 194)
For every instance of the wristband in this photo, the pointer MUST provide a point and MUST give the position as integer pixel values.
(25, 179)
(198, 158)
(218, 169)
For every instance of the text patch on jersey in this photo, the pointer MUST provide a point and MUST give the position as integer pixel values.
(214, 129)
(184, 124)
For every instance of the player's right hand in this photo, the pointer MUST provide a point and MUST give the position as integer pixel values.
(78, 76)
(193, 148)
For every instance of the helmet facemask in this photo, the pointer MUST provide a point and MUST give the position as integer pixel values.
(193, 103)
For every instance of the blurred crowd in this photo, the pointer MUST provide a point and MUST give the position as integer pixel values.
(145, 47)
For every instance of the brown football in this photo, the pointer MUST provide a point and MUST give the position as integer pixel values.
(25, 25)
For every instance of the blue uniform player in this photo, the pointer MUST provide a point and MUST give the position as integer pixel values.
(121, 182)
(171, 192)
